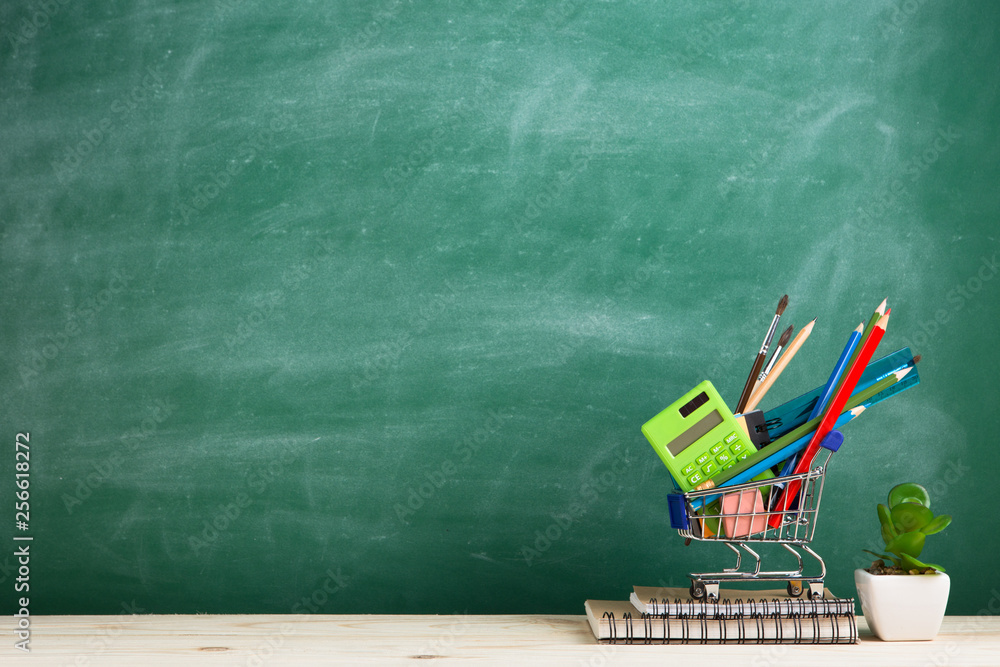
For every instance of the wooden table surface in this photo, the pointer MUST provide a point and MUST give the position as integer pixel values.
(256, 641)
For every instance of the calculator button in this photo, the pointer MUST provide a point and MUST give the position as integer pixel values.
(717, 448)
(688, 469)
(723, 458)
(708, 468)
(729, 465)
(743, 456)
(695, 478)
(736, 447)
(704, 458)
(732, 437)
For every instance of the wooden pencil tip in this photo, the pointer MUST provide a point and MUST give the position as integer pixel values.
(857, 410)
(861, 328)
(782, 305)
(881, 307)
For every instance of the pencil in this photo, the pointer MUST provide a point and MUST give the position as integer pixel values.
(832, 381)
(758, 362)
(722, 478)
(838, 371)
(846, 388)
(872, 321)
(859, 399)
(769, 381)
(830, 415)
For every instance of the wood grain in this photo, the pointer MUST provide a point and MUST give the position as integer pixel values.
(529, 639)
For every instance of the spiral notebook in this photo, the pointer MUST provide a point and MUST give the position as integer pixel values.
(621, 622)
(673, 601)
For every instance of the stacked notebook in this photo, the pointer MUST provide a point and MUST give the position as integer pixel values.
(670, 615)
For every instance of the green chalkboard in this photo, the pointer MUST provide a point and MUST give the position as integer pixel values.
(359, 307)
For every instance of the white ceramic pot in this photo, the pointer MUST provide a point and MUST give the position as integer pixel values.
(903, 607)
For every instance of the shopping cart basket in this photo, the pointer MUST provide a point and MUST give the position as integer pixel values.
(736, 516)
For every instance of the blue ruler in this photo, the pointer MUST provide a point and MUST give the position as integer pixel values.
(795, 413)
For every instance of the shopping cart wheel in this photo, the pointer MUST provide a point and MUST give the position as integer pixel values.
(794, 588)
(697, 590)
(701, 590)
(815, 590)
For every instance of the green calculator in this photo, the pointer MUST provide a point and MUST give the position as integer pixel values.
(697, 436)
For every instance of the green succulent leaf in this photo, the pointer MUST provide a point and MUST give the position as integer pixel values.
(911, 563)
(909, 517)
(909, 492)
(910, 544)
(885, 518)
(937, 524)
(905, 522)
(882, 556)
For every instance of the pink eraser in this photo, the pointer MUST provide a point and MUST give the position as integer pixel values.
(748, 503)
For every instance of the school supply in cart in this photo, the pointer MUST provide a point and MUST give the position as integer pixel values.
(737, 500)
(697, 436)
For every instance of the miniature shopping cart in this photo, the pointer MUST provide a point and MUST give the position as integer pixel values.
(736, 516)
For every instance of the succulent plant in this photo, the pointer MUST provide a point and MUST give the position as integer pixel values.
(906, 522)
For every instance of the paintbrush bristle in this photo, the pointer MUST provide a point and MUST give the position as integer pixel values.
(782, 305)
(785, 337)
(916, 359)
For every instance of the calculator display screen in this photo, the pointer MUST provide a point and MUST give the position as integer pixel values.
(690, 436)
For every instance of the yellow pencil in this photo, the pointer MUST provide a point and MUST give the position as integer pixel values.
(759, 392)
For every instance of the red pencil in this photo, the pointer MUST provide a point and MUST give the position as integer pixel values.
(833, 410)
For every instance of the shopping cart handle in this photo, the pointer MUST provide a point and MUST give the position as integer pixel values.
(832, 441)
(678, 515)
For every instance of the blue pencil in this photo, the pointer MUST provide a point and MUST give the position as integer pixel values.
(831, 384)
(772, 459)
(838, 370)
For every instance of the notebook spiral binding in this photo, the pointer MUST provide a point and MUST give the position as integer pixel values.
(728, 622)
